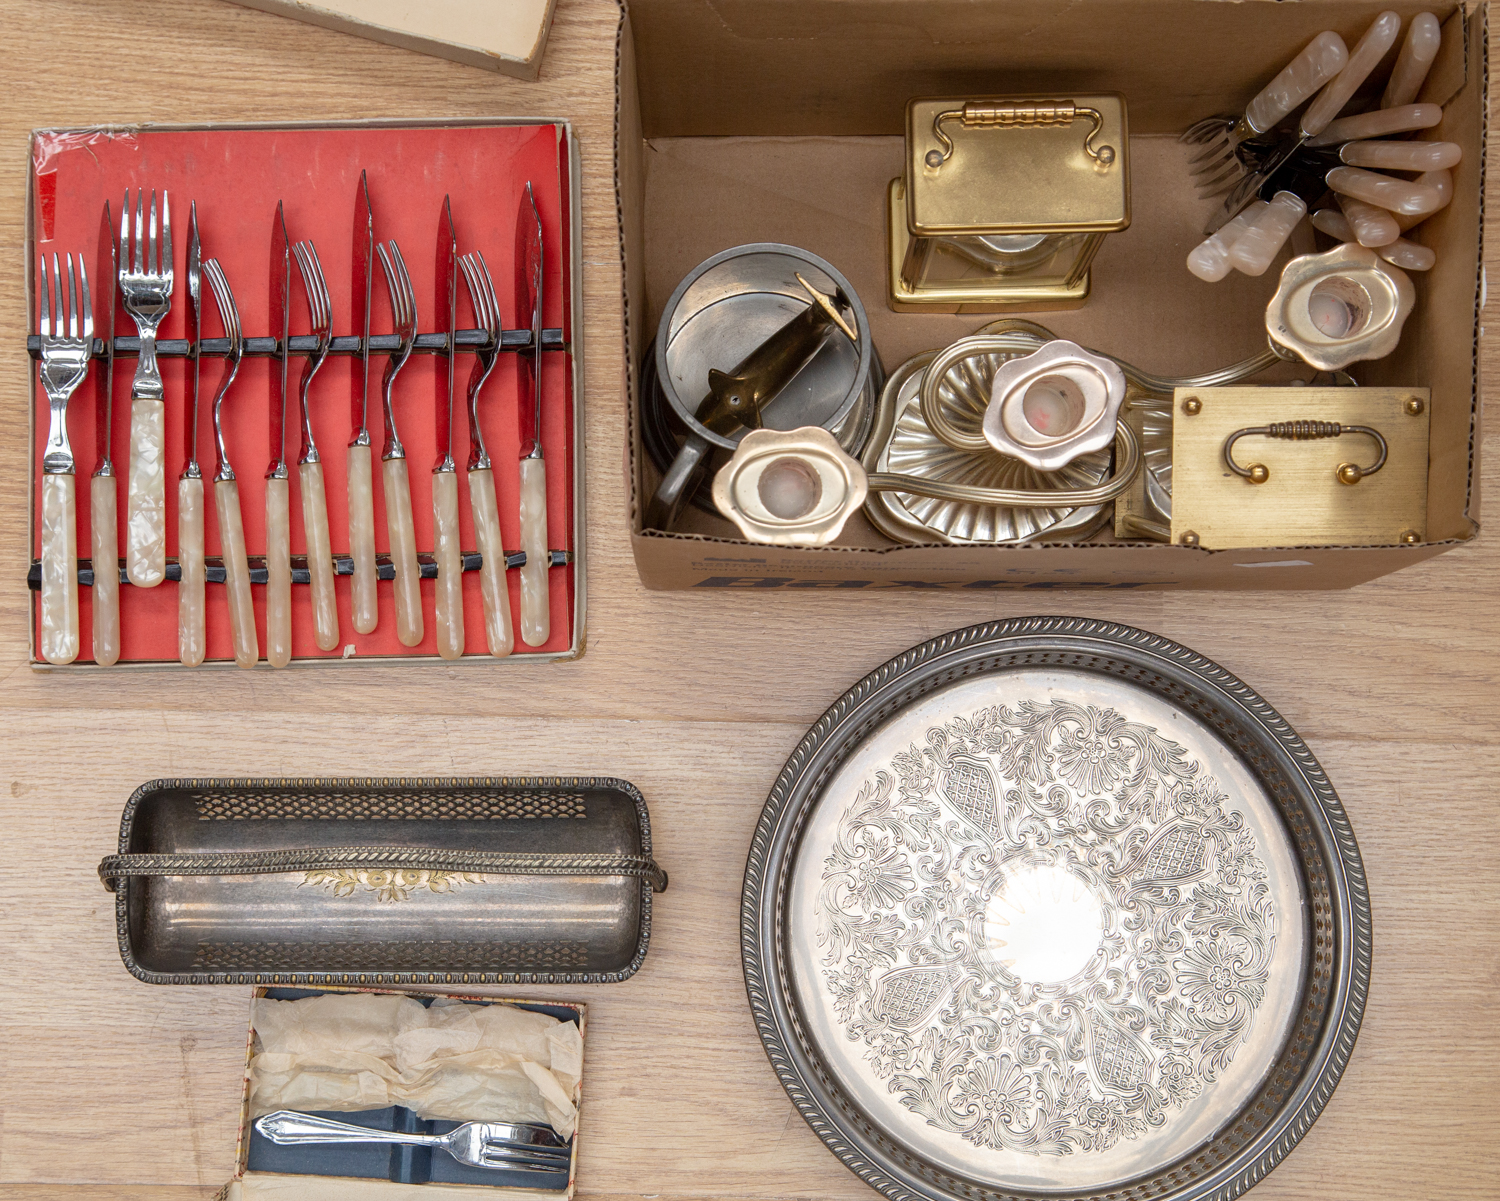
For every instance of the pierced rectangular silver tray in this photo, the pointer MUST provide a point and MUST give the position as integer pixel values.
(397, 881)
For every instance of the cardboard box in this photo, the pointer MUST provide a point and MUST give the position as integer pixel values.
(781, 120)
(509, 37)
(247, 1185)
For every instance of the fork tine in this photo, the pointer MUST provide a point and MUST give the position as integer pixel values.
(300, 255)
(166, 234)
(325, 303)
(489, 290)
(43, 301)
(398, 288)
(123, 258)
(472, 287)
(528, 1150)
(88, 307)
(153, 253)
(59, 301)
(390, 278)
(140, 231)
(487, 297)
(408, 295)
(72, 298)
(480, 278)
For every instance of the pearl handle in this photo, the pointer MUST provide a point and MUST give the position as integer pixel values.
(450, 565)
(536, 620)
(362, 539)
(492, 586)
(191, 644)
(236, 572)
(1424, 37)
(1321, 59)
(1254, 249)
(319, 555)
(1385, 191)
(59, 570)
(105, 537)
(146, 495)
(278, 573)
(1363, 59)
(403, 540)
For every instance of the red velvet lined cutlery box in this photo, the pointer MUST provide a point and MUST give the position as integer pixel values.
(236, 176)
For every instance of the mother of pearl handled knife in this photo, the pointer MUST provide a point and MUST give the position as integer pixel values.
(190, 630)
(278, 503)
(1366, 55)
(535, 605)
(450, 560)
(361, 488)
(104, 522)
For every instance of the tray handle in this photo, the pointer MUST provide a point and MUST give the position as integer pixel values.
(113, 868)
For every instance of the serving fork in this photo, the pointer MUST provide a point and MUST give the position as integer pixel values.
(492, 585)
(146, 286)
(514, 1147)
(226, 487)
(398, 519)
(309, 464)
(67, 334)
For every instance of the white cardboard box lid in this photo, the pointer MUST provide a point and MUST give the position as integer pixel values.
(498, 35)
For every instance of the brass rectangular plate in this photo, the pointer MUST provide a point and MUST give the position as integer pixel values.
(1002, 294)
(1021, 179)
(1302, 503)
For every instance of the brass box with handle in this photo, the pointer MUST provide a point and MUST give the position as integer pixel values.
(1004, 201)
(1299, 466)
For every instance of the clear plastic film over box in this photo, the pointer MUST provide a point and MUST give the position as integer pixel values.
(779, 121)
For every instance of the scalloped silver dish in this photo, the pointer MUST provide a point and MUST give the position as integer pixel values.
(1055, 907)
(1156, 454)
(902, 442)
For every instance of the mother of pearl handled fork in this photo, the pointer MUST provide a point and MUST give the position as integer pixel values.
(450, 560)
(278, 505)
(146, 284)
(65, 362)
(226, 487)
(403, 538)
(103, 514)
(309, 464)
(190, 629)
(492, 586)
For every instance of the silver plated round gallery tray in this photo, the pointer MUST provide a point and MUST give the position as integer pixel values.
(1055, 908)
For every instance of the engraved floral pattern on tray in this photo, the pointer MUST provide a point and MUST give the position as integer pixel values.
(1125, 857)
(390, 884)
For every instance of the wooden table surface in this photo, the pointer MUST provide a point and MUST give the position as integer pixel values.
(696, 698)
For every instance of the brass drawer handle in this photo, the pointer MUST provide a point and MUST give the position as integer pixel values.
(1011, 114)
(1298, 431)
